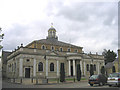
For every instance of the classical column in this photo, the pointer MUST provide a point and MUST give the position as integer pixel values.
(57, 68)
(84, 68)
(34, 68)
(98, 68)
(73, 67)
(46, 67)
(20, 67)
(81, 66)
(69, 68)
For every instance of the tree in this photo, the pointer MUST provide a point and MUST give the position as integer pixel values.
(109, 56)
(78, 72)
(1, 37)
(103, 70)
(62, 73)
(91, 70)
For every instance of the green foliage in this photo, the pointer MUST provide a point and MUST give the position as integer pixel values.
(78, 72)
(62, 73)
(91, 70)
(110, 56)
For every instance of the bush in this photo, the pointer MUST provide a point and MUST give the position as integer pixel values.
(62, 73)
(91, 70)
(78, 72)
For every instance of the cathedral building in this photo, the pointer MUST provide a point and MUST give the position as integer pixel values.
(42, 59)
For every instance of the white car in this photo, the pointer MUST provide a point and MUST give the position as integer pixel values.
(114, 79)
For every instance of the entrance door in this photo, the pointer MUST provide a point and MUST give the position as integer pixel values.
(71, 70)
(27, 72)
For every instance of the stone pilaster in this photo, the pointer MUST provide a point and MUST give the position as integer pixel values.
(46, 67)
(34, 68)
(21, 67)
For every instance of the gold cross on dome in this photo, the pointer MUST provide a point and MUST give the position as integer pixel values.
(51, 24)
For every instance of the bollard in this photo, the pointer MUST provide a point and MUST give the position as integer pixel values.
(58, 80)
(36, 81)
(21, 80)
(32, 80)
(74, 79)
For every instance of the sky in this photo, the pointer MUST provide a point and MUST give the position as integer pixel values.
(90, 24)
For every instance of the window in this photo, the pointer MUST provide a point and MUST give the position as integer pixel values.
(52, 67)
(113, 69)
(9, 68)
(76, 50)
(52, 48)
(94, 67)
(12, 67)
(15, 67)
(27, 60)
(87, 67)
(68, 49)
(40, 66)
(61, 49)
(43, 47)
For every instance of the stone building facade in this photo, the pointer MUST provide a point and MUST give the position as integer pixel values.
(42, 59)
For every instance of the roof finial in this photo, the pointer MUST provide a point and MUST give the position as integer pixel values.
(51, 24)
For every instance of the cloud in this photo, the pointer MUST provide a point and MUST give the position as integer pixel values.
(92, 25)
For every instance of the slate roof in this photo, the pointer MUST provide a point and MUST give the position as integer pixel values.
(55, 42)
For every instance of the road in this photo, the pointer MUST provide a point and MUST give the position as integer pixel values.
(82, 84)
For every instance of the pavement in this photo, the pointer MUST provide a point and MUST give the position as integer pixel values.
(81, 84)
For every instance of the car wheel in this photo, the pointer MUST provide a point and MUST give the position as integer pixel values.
(100, 84)
(110, 85)
(91, 84)
(118, 85)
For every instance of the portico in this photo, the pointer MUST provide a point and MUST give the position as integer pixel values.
(72, 65)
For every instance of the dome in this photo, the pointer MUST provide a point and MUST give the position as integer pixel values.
(52, 29)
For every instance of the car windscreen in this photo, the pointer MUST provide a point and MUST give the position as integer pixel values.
(94, 77)
(114, 75)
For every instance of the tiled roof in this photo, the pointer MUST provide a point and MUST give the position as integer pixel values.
(55, 42)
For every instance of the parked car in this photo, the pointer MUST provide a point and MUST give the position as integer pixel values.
(114, 79)
(97, 79)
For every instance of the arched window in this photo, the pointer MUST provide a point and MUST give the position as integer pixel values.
(94, 67)
(87, 67)
(61, 49)
(52, 48)
(15, 67)
(40, 66)
(43, 47)
(113, 69)
(12, 67)
(52, 67)
(68, 49)
(76, 50)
